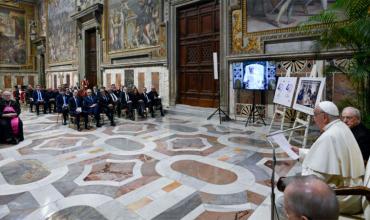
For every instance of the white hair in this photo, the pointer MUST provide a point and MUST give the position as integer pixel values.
(355, 112)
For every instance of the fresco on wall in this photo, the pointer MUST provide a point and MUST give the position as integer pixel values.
(41, 16)
(133, 24)
(274, 14)
(83, 4)
(61, 31)
(13, 44)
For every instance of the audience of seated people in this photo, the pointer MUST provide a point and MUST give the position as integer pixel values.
(72, 101)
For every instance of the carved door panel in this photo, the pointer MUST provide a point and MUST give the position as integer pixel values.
(90, 57)
(198, 38)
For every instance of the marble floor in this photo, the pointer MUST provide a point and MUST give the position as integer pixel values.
(173, 167)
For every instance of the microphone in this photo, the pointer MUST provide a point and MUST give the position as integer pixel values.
(283, 131)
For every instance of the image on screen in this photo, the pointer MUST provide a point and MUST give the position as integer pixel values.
(254, 75)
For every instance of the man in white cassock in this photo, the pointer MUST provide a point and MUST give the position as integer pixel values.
(335, 157)
(254, 76)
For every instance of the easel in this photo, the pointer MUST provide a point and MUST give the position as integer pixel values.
(280, 110)
(306, 122)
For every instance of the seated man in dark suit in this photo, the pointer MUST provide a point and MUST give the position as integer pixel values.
(156, 99)
(352, 117)
(126, 102)
(39, 98)
(138, 101)
(51, 99)
(62, 105)
(29, 97)
(91, 106)
(116, 101)
(148, 102)
(75, 109)
(106, 105)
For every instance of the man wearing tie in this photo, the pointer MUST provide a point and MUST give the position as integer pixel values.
(156, 99)
(106, 106)
(115, 99)
(91, 106)
(126, 102)
(39, 99)
(62, 105)
(75, 109)
(148, 102)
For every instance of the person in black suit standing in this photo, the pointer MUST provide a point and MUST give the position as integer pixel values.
(62, 105)
(106, 105)
(75, 109)
(17, 93)
(91, 106)
(156, 99)
(39, 98)
(126, 102)
(29, 97)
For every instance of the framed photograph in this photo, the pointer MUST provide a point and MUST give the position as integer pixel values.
(284, 92)
(308, 94)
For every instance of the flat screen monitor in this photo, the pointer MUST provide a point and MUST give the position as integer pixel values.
(254, 75)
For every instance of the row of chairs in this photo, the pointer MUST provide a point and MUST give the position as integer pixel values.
(71, 119)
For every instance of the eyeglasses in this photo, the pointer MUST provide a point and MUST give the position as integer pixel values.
(315, 114)
(347, 117)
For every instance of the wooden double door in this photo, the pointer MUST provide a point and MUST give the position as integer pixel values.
(198, 37)
(91, 57)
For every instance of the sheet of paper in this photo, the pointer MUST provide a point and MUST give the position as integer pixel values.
(283, 143)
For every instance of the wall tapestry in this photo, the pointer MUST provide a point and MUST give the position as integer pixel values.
(133, 24)
(61, 31)
(13, 46)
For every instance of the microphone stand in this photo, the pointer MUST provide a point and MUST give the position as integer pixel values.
(273, 205)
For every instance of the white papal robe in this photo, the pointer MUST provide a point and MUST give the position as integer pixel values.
(335, 157)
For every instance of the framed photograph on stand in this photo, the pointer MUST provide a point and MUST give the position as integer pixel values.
(284, 92)
(309, 93)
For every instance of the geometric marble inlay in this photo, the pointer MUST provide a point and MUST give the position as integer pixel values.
(61, 143)
(204, 172)
(132, 128)
(188, 144)
(249, 141)
(23, 172)
(125, 144)
(111, 171)
(77, 212)
(182, 128)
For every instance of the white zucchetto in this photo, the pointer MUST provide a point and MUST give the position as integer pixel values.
(329, 108)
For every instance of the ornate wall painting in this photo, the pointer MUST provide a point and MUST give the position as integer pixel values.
(83, 4)
(41, 17)
(133, 24)
(237, 34)
(309, 93)
(13, 38)
(261, 15)
(61, 31)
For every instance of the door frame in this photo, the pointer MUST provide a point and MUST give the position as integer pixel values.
(91, 24)
(173, 58)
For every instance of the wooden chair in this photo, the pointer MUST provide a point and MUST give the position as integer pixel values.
(363, 191)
